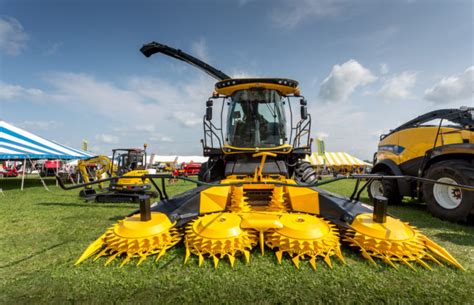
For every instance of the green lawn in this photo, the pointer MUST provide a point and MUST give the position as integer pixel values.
(43, 233)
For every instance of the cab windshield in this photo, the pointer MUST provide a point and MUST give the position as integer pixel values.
(256, 119)
(129, 161)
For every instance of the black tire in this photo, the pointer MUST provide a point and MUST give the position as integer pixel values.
(305, 173)
(202, 175)
(461, 171)
(152, 194)
(87, 192)
(216, 172)
(389, 190)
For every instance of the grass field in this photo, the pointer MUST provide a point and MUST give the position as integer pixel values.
(43, 233)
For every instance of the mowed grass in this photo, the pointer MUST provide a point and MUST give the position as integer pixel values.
(43, 233)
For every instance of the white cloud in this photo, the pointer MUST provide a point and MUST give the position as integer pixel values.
(107, 138)
(343, 80)
(52, 48)
(380, 38)
(397, 87)
(384, 68)
(322, 135)
(137, 108)
(293, 13)
(187, 119)
(199, 49)
(154, 89)
(243, 2)
(377, 133)
(160, 138)
(453, 88)
(348, 126)
(11, 92)
(12, 36)
(148, 100)
(82, 90)
(238, 73)
(39, 125)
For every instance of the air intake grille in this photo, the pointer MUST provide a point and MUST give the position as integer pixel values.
(258, 197)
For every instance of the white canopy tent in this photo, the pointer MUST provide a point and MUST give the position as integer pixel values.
(19, 144)
(336, 160)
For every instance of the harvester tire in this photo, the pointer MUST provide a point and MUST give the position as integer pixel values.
(446, 202)
(214, 173)
(390, 190)
(305, 173)
(202, 175)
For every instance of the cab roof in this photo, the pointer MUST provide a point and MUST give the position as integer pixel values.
(284, 86)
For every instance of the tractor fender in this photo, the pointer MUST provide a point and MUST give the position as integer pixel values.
(388, 165)
(464, 151)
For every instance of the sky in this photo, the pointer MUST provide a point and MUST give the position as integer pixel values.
(71, 70)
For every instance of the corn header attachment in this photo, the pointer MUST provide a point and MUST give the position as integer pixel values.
(302, 223)
(256, 192)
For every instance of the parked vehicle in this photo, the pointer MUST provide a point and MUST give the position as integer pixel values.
(8, 171)
(442, 152)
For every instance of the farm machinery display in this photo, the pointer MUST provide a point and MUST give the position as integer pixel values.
(127, 183)
(255, 190)
(442, 151)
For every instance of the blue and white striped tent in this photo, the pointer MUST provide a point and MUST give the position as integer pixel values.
(19, 144)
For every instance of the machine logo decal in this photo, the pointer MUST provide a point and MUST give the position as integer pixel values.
(392, 148)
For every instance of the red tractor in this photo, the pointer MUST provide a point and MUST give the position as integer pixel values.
(188, 169)
(191, 169)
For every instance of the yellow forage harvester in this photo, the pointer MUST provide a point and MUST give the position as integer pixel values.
(256, 191)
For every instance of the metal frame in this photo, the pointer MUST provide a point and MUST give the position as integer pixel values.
(210, 131)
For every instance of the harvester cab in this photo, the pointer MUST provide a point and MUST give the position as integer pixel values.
(255, 190)
(256, 122)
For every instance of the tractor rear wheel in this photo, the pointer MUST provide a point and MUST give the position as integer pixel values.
(385, 188)
(305, 173)
(447, 202)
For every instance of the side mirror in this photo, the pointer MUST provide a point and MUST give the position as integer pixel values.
(209, 104)
(304, 109)
(208, 113)
(304, 112)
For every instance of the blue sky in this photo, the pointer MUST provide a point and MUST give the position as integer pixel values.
(72, 70)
